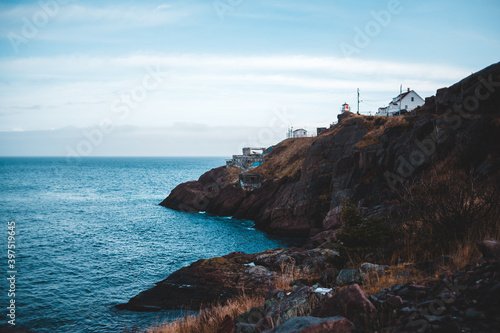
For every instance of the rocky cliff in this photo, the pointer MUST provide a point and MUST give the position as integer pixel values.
(362, 157)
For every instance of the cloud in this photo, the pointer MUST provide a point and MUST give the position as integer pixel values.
(215, 90)
(67, 66)
(76, 18)
(187, 139)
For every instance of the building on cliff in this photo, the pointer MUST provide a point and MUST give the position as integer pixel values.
(320, 130)
(250, 182)
(251, 158)
(345, 108)
(298, 133)
(403, 103)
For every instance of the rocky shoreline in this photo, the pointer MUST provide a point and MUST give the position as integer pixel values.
(361, 157)
(467, 300)
(218, 279)
(304, 185)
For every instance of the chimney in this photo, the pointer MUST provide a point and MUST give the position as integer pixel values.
(408, 89)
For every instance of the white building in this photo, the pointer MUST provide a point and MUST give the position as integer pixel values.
(345, 108)
(299, 133)
(405, 102)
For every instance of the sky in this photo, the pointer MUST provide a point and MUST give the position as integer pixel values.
(206, 78)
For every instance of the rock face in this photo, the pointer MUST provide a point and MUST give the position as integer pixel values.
(315, 325)
(464, 301)
(351, 303)
(221, 278)
(360, 157)
(467, 300)
(490, 248)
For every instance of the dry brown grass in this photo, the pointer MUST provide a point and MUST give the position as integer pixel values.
(209, 320)
(394, 275)
(233, 173)
(286, 159)
(288, 274)
(374, 132)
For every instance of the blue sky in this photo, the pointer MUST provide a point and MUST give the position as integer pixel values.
(175, 78)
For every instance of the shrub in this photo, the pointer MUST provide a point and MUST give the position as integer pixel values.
(361, 235)
(448, 207)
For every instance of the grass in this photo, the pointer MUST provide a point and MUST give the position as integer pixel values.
(209, 320)
(375, 131)
(286, 159)
(398, 272)
(288, 274)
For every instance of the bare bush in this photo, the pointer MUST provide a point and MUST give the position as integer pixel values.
(450, 206)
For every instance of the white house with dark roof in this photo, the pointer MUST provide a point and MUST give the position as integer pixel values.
(404, 102)
(299, 133)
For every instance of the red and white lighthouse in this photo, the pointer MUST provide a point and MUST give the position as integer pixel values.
(345, 108)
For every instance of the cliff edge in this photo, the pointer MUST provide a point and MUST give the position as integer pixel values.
(361, 157)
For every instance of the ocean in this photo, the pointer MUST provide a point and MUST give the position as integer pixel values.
(90, 235)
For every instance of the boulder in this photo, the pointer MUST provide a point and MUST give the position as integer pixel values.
(349, 276)
(351, 303)
(244, 328)
(227, 325)
(315, 325)
(297, 303)
(489, 248)
(332, 220)
(369, 271)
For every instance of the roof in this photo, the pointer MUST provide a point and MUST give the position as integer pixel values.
(401, 96)
(300, 129)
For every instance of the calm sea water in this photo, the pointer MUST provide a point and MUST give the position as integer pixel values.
(91, 235)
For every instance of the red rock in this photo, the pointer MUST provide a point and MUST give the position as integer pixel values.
(315, 325)
(227, 325)
(351, 303)
(489, 248)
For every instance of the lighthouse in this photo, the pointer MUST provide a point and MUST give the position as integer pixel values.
(345, 108)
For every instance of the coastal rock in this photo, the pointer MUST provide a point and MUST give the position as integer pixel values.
(368, 271)
(314, 325)
(332, 220)
(348, 276)
(297, 303)
(221, 278)
(201, 283)
(227, 325)
(490, 248)
(362, 157)
(467, 300)
(351, 303)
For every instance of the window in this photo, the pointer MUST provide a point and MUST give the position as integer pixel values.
(406, 107)
(413, 99)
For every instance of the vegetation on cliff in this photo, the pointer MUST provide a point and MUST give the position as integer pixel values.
(415, 194)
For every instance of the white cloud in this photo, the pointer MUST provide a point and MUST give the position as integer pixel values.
(215, 90)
